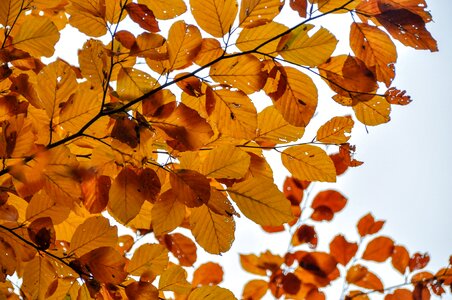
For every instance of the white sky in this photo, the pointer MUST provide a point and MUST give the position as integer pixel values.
(406, 176)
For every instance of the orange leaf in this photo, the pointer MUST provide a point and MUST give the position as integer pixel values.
(335, 131)
(367, 225)
(190, 187)
(373, 112)
(38, 276)
(400, 294)
(42, 233)
(330, 199)
(106, 265)
(418, 261)
(141, 290)
(400, 259)
(379, 249)
(165, 9)
(184, 42)
(305, 234)
(213, 16)
(143, 16)
(398, 97)
(167, 213)
(257, 12)
(208, 274)
(181, 247)
(299, 6)
(360, 276)
(151, 258)
(342, 250)
(211, 292)
(254, 289)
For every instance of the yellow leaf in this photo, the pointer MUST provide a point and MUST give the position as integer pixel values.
(133, 83)
(210, 50)
(215, 233)
(165, 9)
(143, 219)
(18, 136)
(126, 196)
(93, 233)
(225, 162)
(260, 200)
(56, 83)
(273, 129)
(214, 16)
(37, 36)
(20, 205)
(38, 277)
(303, 49)
(298, 100)
(334, 131)
(310, 163)
(376, 49)
(94, 62)
(175, 279)
(113, 11)
(257, 12)
(9, 10)
(233, 113)
(373, 112)
(148, 258)
(243, 72)
(211, 293)
(167, 213)
(252, 38)
(255, 289)
(41, 205)
(88, 16)
(184, 42)
(329, 5)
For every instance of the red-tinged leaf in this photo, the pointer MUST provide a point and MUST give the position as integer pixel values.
(291, 283)
(299, 6)
(331, 199)
(141, 290)
(143, 16)
(418, 261)
(208, 274)
(305, 234)
(95, 190)
(379, 249)
(190, 187)
(255, 289)
(356, 273)
(400, 294)
(421, 277)
(421, 292)
(400, 259)
(397, 97)
(106, 265)
(342, 250)
(42, 233)
(360, 276)
(367, 225)
(316, 268)
(183, 248)
(293, 189)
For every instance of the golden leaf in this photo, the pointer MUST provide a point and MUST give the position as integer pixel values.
(255, 289)
(225, 162)
(175, 279)
(38, 277)
(211, 292)
(329, 5)
(302, 49)
(94, 62)
(133, 83)
(307, 162)
(214, 16)
(41, 205)
(88, 16)
(167, 213)
(208, 274)
(210, 50)
(183, 248)
(148, 258)
(334, 131)
(184, 42)
(379, 249)
(257, 12)
(260, 200)
(215, 233)
(373, 112)
(9, 10)
(165, 9)
(243, 72)
(114, 12)
(93, 233)
(190, 187)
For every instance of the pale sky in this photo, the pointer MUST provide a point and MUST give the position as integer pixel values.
(406, 173)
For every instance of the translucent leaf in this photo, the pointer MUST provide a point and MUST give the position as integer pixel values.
(88, 16)
(214, 233)
(251, 38)
(133, 83)
(327, 203)
(299, 6)
(400, 294)
(255, 289)
(376, 49)
(142, 290)
(296, 97)
(243, 72)
(302, 49)
(400, 259)
(305, 234)
(308, 162)
(379, 249)
(208, 274)
(37, 36)
(329, 5)
(342, 250)
(114, 11)
(214, 16)
(398, 97)
(41, 205)
(184, 42)
(257, 12)
(167, 213)
(210, 50)
(251, 264)
(233, 112)
(9, 10)
(126, 196)
(273, 129)
(165, 9)
(93, 233)
(148, 258)
(360, 276)
(183, 248)
(260, 200)
(335, 131)
(418, 261)
(225, 162)
(94, 62)
(373, 112)
(106, 265)
(211, 293)
(174, 279)
(190, 187)
(37, 278)
(368, 225)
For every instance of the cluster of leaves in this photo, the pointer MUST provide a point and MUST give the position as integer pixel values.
(111, 137)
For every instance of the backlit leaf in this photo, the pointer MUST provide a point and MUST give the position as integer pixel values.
(398, 97)
(183, 248)
(184, 42)
(165, 9)
(335, 131)
(260, 200)
(308, 162)
(257, 37)
(214, 16)
(37, 278)
(373, 112)
(225, 162)
(303, 49)
(208, 274)
(143, 16)
(190, 187)
(342, 250)
(94, 62)
(37, 36)
(148, 258)
(400, 294)
(257, 12)
(174, 279)
(141, 290)
(41, 205)
(327, 203)
(214, 233)
(360, 276)
(255, 289)
(9, 9)
(133, 83)
(88, 16)
(329, 5)
(368, 225)
(418, 261)
(93, 233)
(106, 265)
(167, 213)
(400, 259)
(379, 249)
(305, 234)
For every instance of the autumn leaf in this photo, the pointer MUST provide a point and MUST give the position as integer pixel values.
(214, 17)
(335, 131)
(225, 162)
(165, 9)
(183, 248)
(257, 12)
(211, 292)
(208, 274)
(400, 258)
(167, 213)
(379, 249)
(367, 225)
(255, 289)
(143, 16)
(174, 279)
(342, 250)
(148, 258)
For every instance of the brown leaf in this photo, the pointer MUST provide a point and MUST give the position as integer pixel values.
(326, 203)
(397, 97)
(42, 233)
(183, 248)
(143, 16)
(106, 265)
(190, 187)
(299, 6)
(418, 261)
(305, 234)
